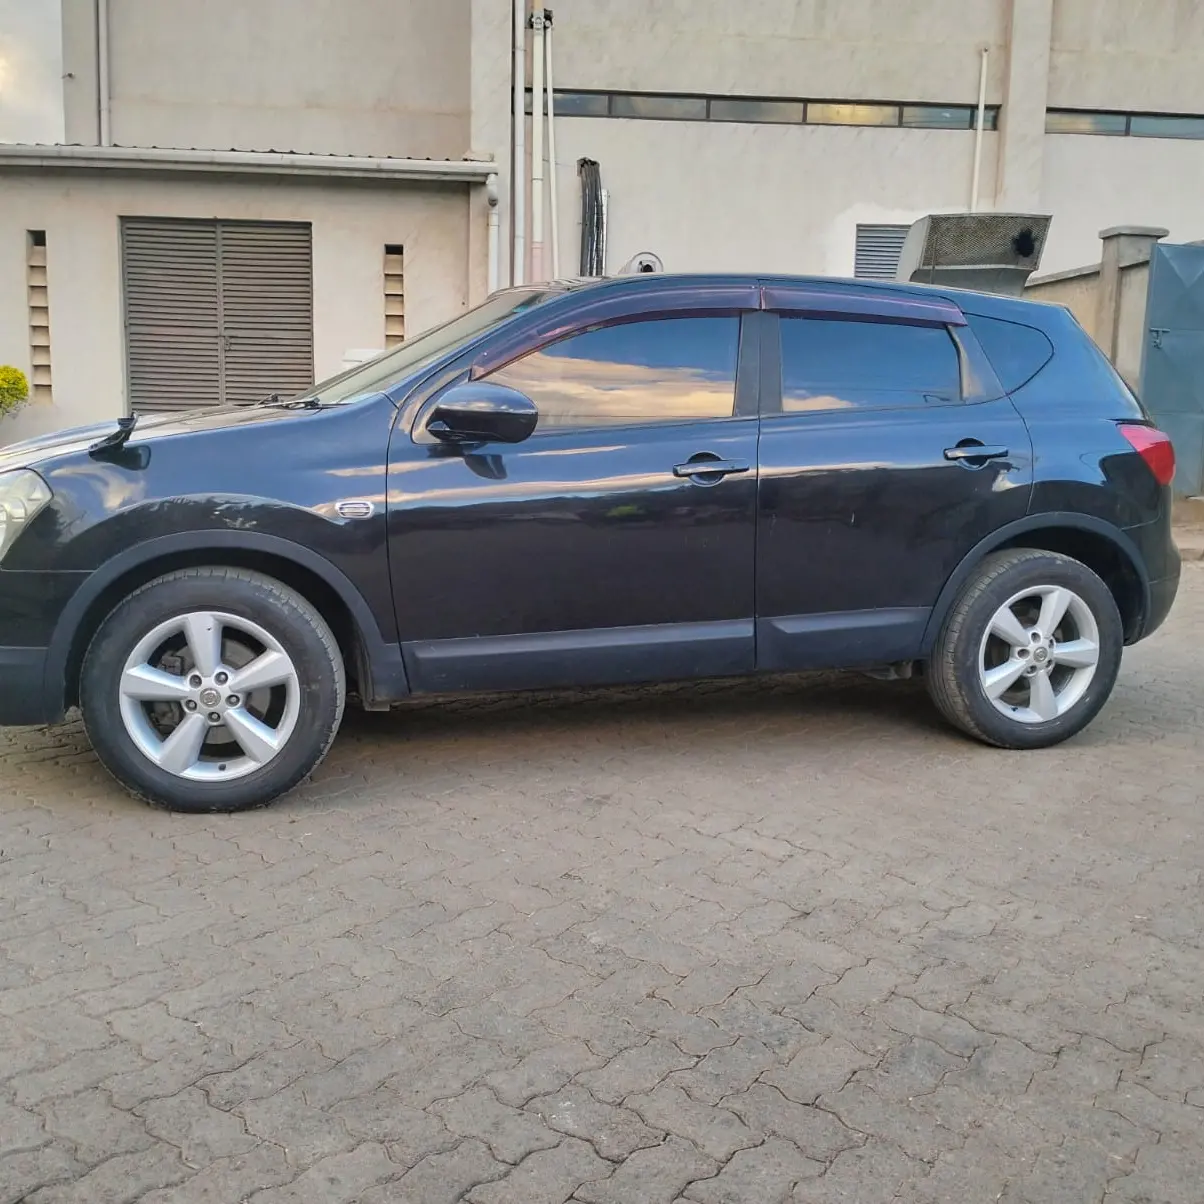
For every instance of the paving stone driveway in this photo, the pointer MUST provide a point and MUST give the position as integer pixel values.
(738, 944)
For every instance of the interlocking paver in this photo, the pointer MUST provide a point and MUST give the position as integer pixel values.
(743, 941)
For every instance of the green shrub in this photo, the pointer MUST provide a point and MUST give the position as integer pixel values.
(14, 389)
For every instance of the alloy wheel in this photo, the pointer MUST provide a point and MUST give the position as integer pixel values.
(209, 696)
(1039, 654)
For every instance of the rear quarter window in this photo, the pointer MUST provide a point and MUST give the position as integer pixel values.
(1017, 352)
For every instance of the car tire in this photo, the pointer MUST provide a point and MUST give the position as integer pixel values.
(212, 689)
(1029, 652)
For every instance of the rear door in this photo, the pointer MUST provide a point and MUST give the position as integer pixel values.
(887, 454)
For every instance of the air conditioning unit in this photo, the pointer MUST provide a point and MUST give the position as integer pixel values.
(989, 252)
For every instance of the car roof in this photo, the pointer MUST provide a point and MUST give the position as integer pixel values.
(968, 300)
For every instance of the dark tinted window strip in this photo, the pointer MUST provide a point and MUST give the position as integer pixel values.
(1120, 124)
(665, 106)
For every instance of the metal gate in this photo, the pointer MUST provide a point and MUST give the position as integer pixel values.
(1172, 362)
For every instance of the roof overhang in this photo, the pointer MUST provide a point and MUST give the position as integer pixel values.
(250, 163)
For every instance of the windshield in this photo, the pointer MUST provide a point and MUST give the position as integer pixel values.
(382, 373)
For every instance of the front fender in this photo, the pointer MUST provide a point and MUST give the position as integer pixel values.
(382, 656)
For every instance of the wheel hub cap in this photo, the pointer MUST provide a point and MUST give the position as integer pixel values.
(1040, 654)
(209, 696)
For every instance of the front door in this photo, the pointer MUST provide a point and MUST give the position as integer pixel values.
(880, 470)
(615, 544)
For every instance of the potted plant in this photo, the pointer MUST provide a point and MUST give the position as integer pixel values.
(14, 390)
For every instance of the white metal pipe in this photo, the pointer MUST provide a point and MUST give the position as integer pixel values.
(537, 184)
(103, 88)
(979, 126)
(553, 201)
(495, 235)
(518, 167)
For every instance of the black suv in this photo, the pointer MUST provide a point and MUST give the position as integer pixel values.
(647, 478)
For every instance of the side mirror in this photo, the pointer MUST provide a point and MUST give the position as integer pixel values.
(478, 412)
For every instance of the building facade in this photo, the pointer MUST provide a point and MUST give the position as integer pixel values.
(250, 194)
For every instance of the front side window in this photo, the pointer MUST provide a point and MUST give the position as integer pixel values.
(845, 365)
(661, 370)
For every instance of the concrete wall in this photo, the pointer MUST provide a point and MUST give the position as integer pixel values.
(1140, 55)
(351, 225)
(1092, 183)
(871, 49)
(731, 197)
(370, 77)
(31, 68)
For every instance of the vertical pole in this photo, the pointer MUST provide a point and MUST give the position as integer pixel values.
(518, 174)
(495, 234)
(103, 87)
(979, 126)
(553, 200)
(537, 86)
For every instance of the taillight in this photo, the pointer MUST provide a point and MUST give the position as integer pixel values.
(1154, 447)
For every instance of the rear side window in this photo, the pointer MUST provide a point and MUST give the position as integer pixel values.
(842, 365)
(1017, 352)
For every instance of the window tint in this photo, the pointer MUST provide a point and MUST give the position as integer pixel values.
(665, 370)
(835, 365)
(1017, 352)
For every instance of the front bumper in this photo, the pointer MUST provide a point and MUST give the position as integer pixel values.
(23, 700)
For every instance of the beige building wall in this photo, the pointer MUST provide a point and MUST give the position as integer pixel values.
(355, 77)
(81, 217)
(1139, 55)
(838, 49)
(712, 196)
(1092, 183)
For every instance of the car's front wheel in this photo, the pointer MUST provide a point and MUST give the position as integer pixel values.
(212, 689)
(1029, 652)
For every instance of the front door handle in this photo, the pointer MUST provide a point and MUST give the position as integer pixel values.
(708, 468)
(973, 454)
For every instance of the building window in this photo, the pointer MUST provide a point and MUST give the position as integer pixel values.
(878, 251)
(831, 113)
(1069, 121)
(1136, 125)
(395, 300)
(1142, 126)
(39, 314)
(663, 106)
(949, 117)
(216, 312)
(781, 111)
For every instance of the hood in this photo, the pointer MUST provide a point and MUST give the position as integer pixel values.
(151, 427)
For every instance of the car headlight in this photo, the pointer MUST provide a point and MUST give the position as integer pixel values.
(22, 495)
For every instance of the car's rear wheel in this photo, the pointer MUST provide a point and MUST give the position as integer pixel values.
(212, 689)
(1029, 652)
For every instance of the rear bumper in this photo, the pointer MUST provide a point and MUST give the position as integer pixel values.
(23, 699)
(1162, 598)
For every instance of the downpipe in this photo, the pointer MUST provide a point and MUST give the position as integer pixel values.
(518, 166)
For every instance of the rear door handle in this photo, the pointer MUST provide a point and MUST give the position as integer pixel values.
(706, 466)
(969, 452)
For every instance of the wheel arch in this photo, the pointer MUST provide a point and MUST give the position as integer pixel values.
(373, 664)
(1103, 548)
